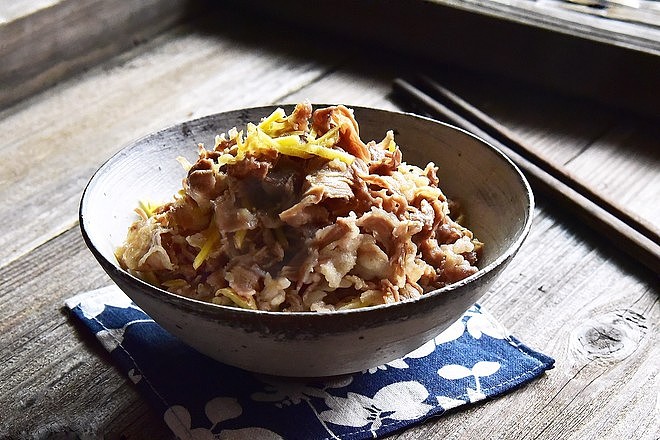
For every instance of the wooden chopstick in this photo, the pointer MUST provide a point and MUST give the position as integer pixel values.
(609, 221)
(505, 136)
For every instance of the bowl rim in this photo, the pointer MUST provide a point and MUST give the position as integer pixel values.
(207, 308)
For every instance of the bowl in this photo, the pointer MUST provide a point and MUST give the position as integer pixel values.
(493, 192)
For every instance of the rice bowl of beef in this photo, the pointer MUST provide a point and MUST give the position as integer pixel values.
(343, 312)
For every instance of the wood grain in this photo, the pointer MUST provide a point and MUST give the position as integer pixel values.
(555, 16)
(55, 379)
(47, 357)
(499, 39)
(565, 293)
(612, 220)
(590, 394)
(10, 11)
(44, 42)
(633, 154)
(575, 135)
(178, 79)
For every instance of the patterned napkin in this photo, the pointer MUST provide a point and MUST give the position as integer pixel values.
(200, 398)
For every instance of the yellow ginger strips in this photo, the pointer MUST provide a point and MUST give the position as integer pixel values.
(260, 138)
(275, 123)
(146, 209)
(239, 236)
(245, 303)
(211, 239)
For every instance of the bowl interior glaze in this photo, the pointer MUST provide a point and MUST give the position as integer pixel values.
(494, 194)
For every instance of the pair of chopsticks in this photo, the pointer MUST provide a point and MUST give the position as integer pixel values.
(613, 223)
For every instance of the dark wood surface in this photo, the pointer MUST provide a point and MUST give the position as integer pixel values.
(45, 41)
(610, 61)
(567, 293)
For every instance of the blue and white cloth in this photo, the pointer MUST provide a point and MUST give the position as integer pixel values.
(200, 398)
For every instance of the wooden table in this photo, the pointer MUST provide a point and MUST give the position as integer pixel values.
(567, 293)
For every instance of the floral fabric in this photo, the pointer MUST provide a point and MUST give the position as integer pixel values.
(199, 398)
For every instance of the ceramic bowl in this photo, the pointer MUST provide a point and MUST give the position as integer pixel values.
(495, 195)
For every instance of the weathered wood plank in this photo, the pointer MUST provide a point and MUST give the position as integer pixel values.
(55, 379)
(493, 39)
(628, 168)
(578, 301)
(46, 41)
(611, 152)
(186, 74)
(558, 126)
(46, 152)
(605, 382)
(10, 11)
(348, 87)
(581, 22)
(45, 357)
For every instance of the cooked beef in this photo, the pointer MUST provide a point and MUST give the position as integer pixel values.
(300, 214)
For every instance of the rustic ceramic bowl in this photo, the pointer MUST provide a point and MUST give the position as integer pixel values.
(493, 192)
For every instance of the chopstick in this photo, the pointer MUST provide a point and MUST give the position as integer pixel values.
(612, 223)
(505, 136)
